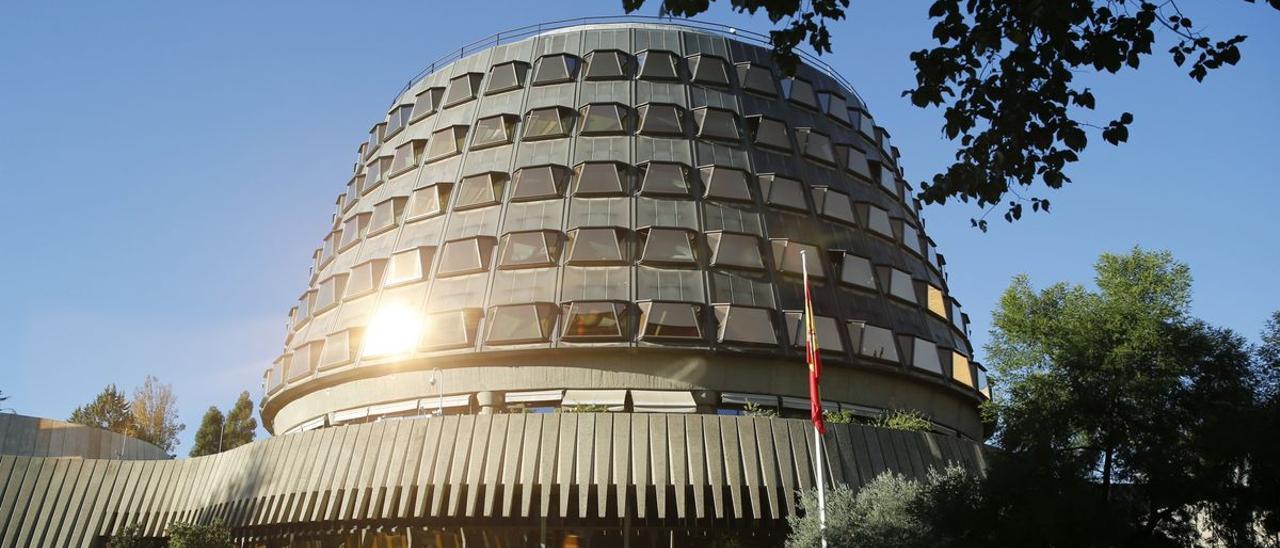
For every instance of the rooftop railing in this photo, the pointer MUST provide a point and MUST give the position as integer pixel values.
(520, 33)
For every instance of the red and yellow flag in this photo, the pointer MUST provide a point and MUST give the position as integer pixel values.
(813, 357)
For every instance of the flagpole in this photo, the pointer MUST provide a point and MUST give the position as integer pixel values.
(817, 437)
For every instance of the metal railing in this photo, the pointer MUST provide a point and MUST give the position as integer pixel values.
(520, 33)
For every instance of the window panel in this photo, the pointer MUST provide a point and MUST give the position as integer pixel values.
(387, 214)
(446, 142)
(725, 183)
(828, 330)
(937, 301)
(465, 256)
(717, 123)
(857, 271)
(667, 246)
(815, 145)
(734, 250)
(594, 321)
(555, 69)
(353, 230)
(770, 133)
(494, 131)
(547, 123)
(960, 371)
(708, 69)
(410, 265)
(506, 77)
(984, 385)
(873, 341)
(354, 188)
(365, 277)
(834, 205)
(596, 246)
(330, 291)
(800, 92)
(598, 179)
(867, 126)
(664, 179)
(741, 288)
(451, 329)
(888, 180)
(856, 162)
(606, 65)
(603, 119)
(911, 238)
(340, 348)
(462, 89)
(538, 182)
(924, 355)
(529, 249)
(901, 286)
(426, 103)
(376, 172)
(429, 201)
(835, 107)
(658, 65)
(397, 119)
(787, 255)
(957, 316)
(757, 79)
(878, 221)
(480, 190)
(376, 138)
(408, 156)
(783, 192)
(661, 119)
(669, 321)
(330, 248)
(520, 324)
(745, 325)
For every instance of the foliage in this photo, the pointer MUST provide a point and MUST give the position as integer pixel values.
(109, 410)
(1003, 73)
(209, 436)
(585, 408)
(1119, 386)
(194, 535)
(891, 511)
(843, 416)
(753, 410)
(241, 426)
(131, 536)
(903, 419)
(155, 414)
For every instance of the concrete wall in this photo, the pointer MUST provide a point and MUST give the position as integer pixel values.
(25, 436)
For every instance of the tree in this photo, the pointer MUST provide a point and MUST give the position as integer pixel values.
(241, 426)
(209, 435)
(1002, 71)
(1119, 387)
(155, 414)
(109, 410)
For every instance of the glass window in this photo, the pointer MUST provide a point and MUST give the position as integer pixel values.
(828, 330)
(901, 286)
(554, 69)
(856, 162)
(375, 173)
(834, 106)
(957, 316)
(911, 238)
(787, 255)
(462, 89)
(593, 321)
(408, 156)
(426, 103)
(960, 370)
(658, 65)
(482, 189)
(547, 123)
(387, 214)
(353, 230)
(606, 65)
(667, 246)
(375, 138)
(878, 221)
(598, 179)
(340, 348)
(520, 324)
(452, 329)
(873, 341)
(866, 126)
(716, 123)
(429, 201)
(506, 77)
(465, 256)
(888, 180)
(725, 183)
(330, 248)
(446, 142)
(410, 265)
(834, 205)
(924, 355)
(538, 182)
(603, 119)
(330, 290)
(708, 69)
(984, 386)
(398, 118)
(770, 133)
(937, 301)
(661, 119)
(783, 192)
(816, 146)
(735, 250)
(529, 249)
(664, 179)
(745, 325)
(757, 79)
(857, 271)
(596, 246)
(669, 321)
(365, 278)
(800, 92)
(494, 130)
(354, 187)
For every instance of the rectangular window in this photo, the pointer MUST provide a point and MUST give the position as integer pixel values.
(902, 286)
(745, 325)
(520, 324)
(960, 371)
(924, 355)
(387, 215)
(873, 341)
(593, 321)
(669, 321)
(429, 201)
(353, 230)
(937, 301)
(410, 265)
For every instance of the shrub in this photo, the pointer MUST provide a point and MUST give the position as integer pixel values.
(194, 535)
(901, 419)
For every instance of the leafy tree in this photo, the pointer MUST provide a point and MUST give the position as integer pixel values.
(109, 410)
(1119, 386)
(209, 436)
(155, 414)
(195, 535)
(1003, 72)
(241, 426)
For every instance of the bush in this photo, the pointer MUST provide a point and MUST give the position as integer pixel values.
(130, 536)
(900, 419)
(194, 535)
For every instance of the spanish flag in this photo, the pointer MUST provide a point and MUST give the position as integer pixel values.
(812, 355)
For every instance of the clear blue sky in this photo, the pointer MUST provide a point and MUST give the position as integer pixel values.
(168, 168)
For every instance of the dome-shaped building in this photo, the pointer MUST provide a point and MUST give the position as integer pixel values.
(559, 303)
